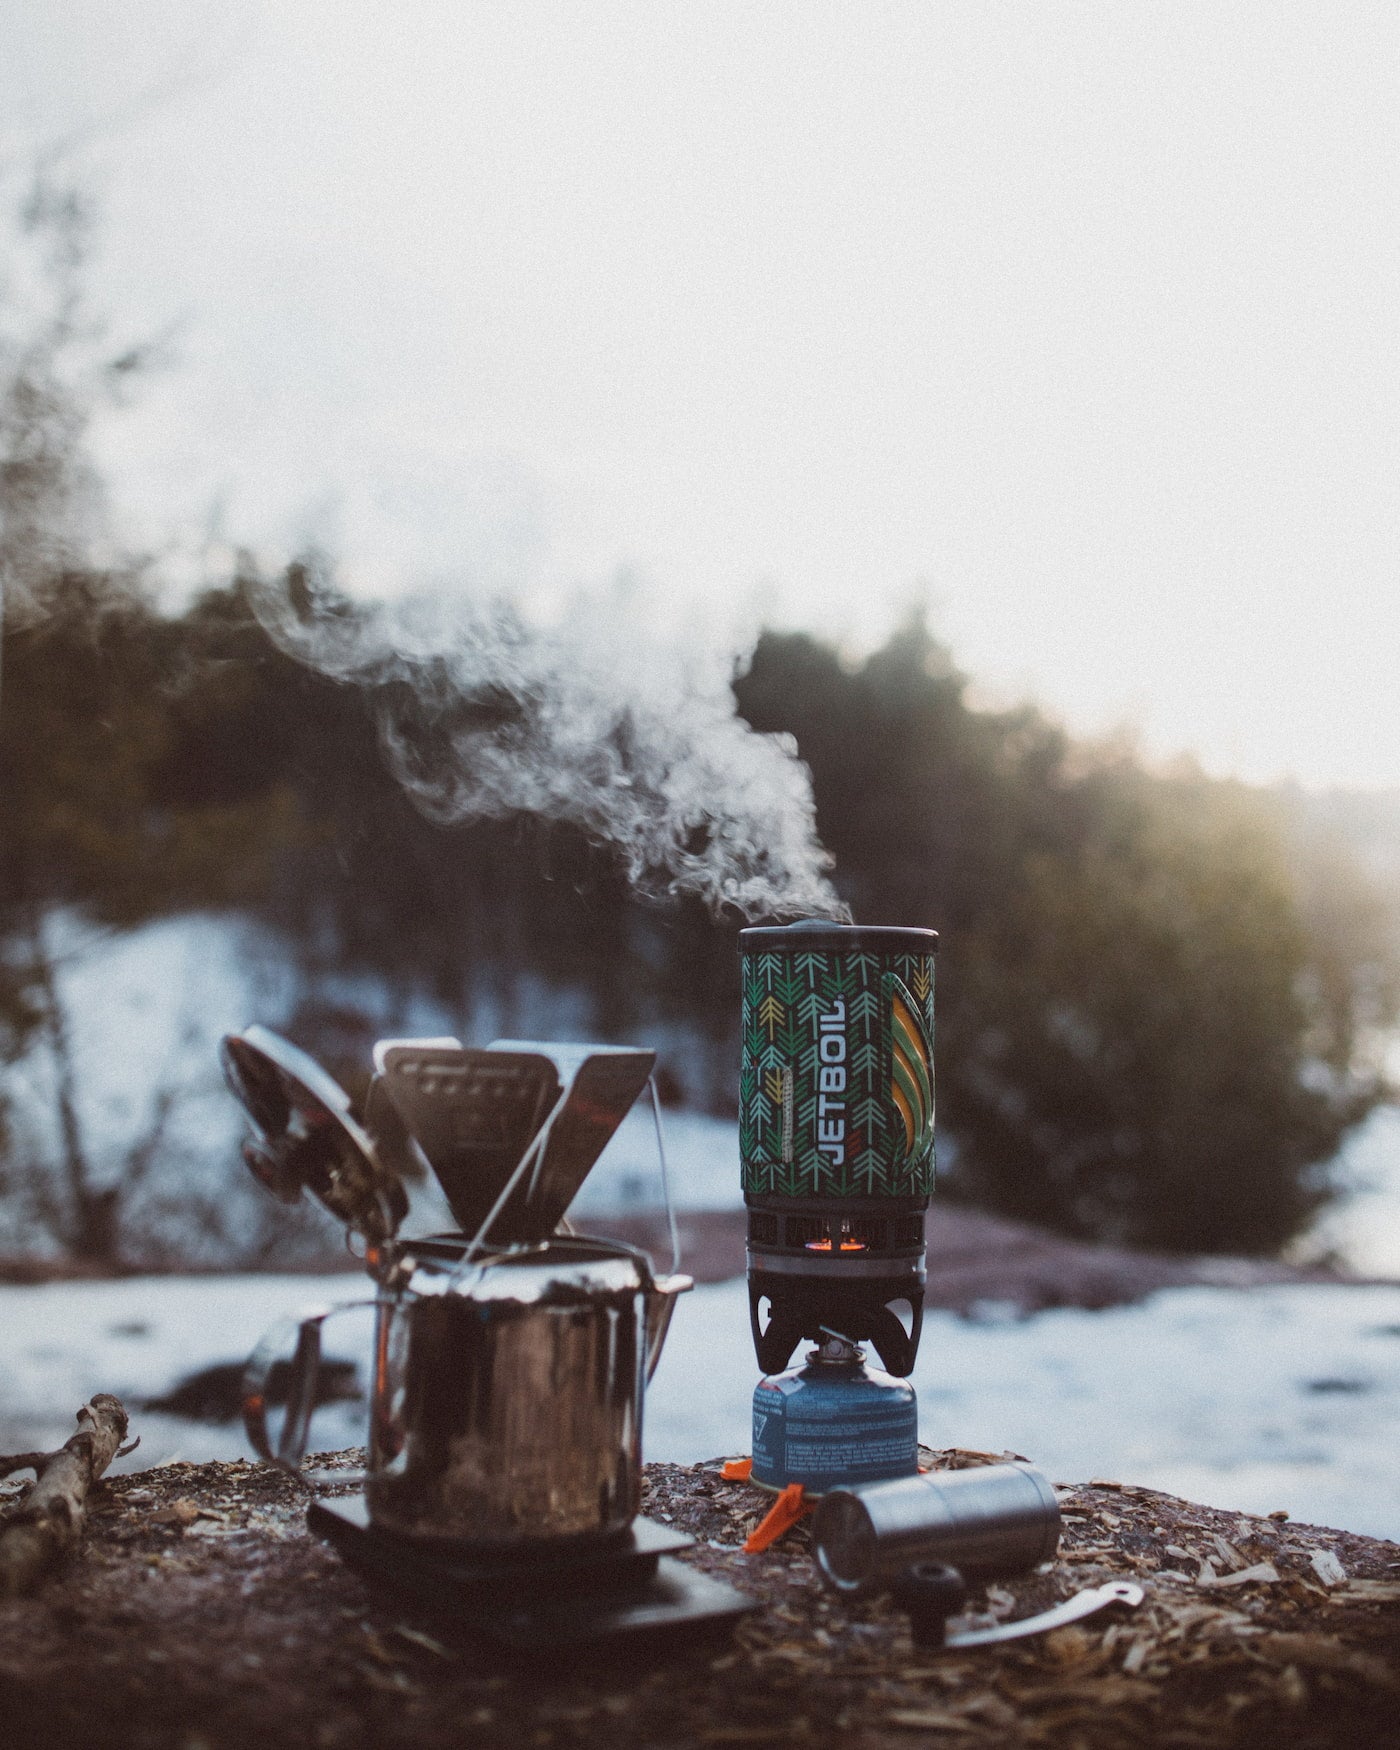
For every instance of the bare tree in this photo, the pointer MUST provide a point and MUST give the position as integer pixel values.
(57, 370)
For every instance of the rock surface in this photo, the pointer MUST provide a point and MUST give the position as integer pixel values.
(200, 1614)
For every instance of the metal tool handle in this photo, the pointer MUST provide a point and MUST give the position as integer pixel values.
(1082, 1604)
(303, 1377)
(930, 1592)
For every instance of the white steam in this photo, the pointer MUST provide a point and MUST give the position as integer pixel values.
(596, 721)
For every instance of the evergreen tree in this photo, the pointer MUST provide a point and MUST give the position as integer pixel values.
(1145, 1033)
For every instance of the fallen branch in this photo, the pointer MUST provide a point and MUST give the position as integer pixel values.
(48, 1521)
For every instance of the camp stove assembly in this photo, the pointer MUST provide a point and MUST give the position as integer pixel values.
(836, 1141)
(510, 1359)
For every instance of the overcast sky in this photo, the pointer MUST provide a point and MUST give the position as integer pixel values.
(1078, 319)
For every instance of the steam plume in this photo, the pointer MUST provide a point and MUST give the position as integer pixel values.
(596, 722)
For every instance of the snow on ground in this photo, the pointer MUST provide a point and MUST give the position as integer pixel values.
(1364, 1225)
(62, 1341)
(1273, 1397)
(1254, 1399)
(145, 1010)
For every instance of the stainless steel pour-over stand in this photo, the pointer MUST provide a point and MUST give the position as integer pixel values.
(510, 1357)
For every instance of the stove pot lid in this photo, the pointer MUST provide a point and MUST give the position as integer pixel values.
(566, 1272)
(305, 1137)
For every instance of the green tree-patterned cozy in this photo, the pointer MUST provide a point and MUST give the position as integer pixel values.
(836, 1133)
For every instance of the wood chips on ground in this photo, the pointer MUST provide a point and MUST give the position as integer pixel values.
(201, 1615)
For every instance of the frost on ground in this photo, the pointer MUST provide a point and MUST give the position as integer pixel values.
(1250, 1400)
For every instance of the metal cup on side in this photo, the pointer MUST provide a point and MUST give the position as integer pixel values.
(989, 1522)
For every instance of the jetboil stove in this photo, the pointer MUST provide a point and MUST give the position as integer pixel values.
(510, 1356)
(836, 1142)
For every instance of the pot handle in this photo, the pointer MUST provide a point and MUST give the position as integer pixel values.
(305, 1369)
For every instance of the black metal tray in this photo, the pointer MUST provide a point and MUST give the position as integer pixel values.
(572, 1595)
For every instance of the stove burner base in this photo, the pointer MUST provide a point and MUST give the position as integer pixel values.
(629, 1587)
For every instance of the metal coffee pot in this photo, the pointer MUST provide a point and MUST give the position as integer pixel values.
(509, 1361)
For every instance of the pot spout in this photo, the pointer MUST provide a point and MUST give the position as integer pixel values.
(660, 1304)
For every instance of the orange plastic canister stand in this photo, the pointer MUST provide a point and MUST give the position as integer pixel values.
(790, 1506)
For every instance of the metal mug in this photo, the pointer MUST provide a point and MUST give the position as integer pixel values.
(990, 1521)
(506, 1390)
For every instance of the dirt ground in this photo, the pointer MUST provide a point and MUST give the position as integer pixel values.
(201, 1615)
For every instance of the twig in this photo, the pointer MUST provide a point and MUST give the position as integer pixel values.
(22, 1461)
(48, 1522)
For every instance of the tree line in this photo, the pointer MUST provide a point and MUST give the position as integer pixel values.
(1160, 997)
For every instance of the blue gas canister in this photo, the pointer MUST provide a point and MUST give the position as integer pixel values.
(833, 1423)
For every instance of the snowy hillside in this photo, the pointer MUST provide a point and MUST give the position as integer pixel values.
(1276, 1397)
